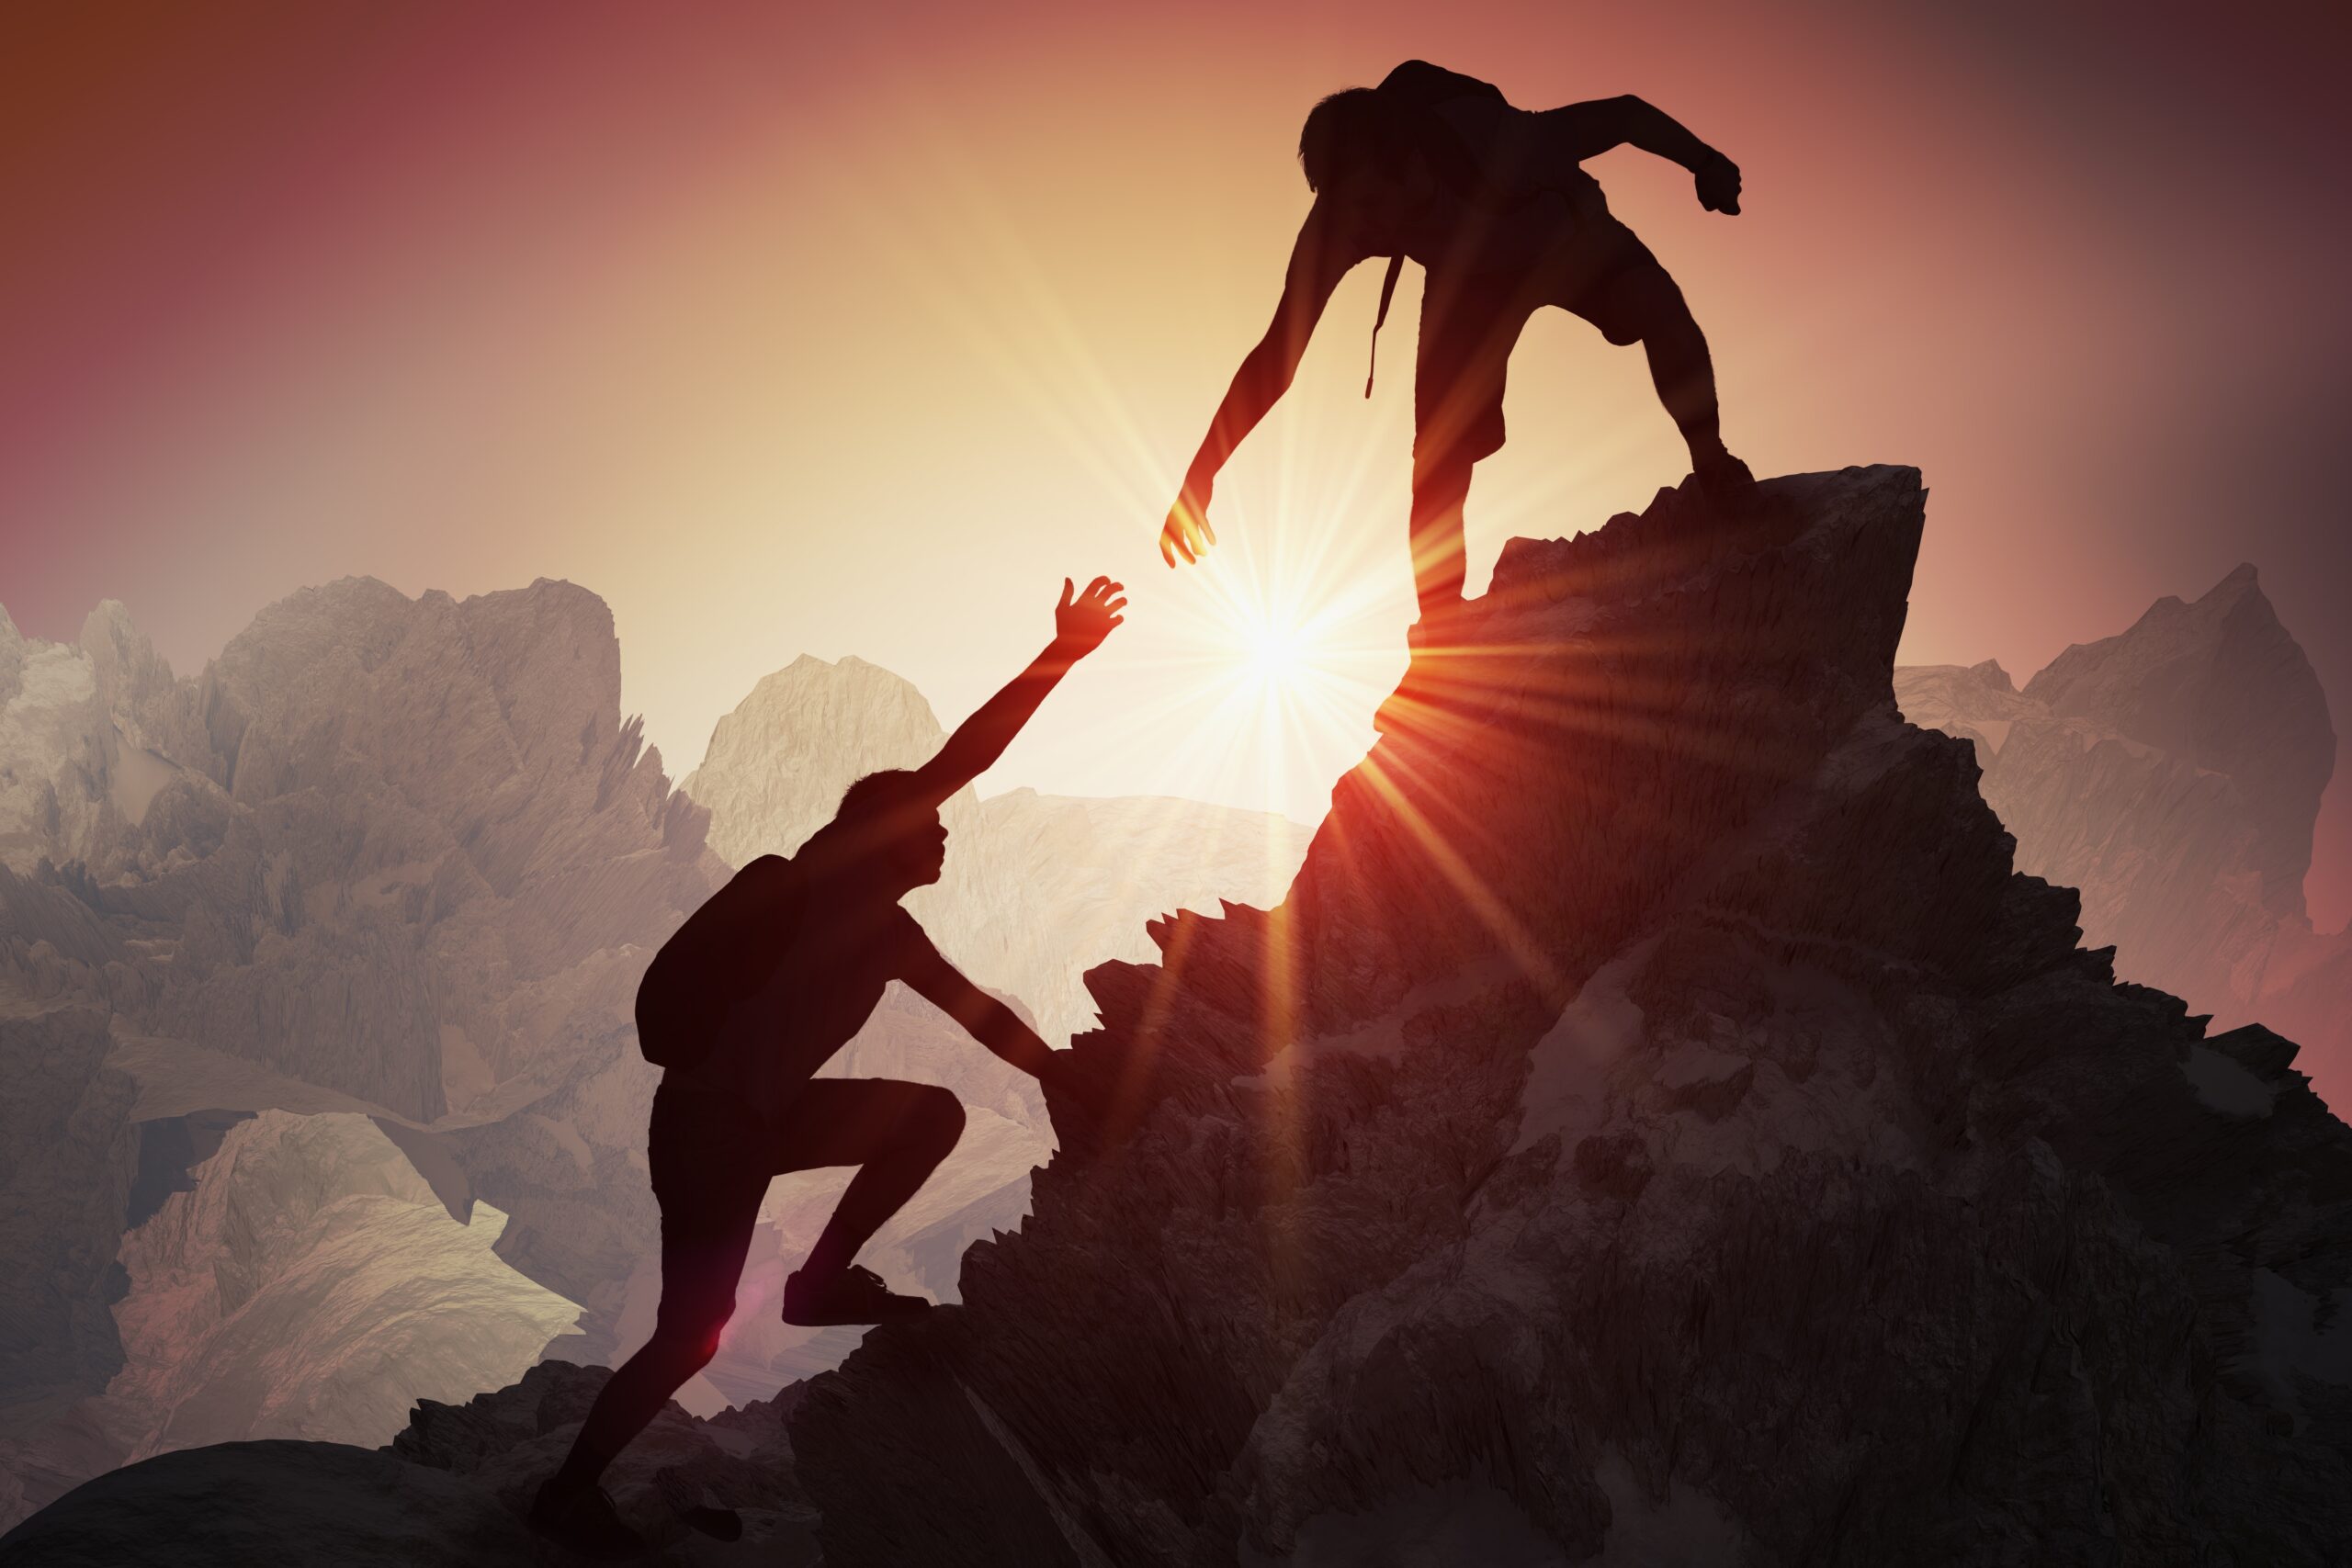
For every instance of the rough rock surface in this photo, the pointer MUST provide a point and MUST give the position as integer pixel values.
(1037, 889)
(2173, 774)
(1660, 1125)
(450, 1489)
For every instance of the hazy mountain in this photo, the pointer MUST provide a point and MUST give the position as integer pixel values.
(2173, 774)
(309, 1283)
(392, 857)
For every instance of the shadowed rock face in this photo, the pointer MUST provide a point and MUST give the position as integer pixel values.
(1659, 1119)
(2173, 774)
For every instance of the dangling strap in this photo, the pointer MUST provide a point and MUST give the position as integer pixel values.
(1387, 292)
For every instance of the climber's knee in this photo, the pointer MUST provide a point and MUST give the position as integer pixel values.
(935, 1119)
(1637, 305)
(686, 1349)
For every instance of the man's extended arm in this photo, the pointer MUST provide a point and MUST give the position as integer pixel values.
(1321, 256)
(1079, 627)
(1577, 132)
(982, 1017)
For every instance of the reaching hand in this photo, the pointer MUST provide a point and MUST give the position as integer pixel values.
(1187, 529)
(1081, 624)
(1718, 181)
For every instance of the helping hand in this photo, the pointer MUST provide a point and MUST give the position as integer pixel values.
(1718, 181)
(1187, 529)
(1081, 624)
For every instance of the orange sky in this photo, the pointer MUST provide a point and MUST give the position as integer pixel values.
(854, 333)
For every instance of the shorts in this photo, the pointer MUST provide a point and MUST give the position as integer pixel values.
(1471, 319)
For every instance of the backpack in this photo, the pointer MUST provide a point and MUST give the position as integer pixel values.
(1412, 94)
(720, 958)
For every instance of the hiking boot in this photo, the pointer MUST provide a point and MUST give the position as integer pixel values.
(853, 1295)
(582, 1519)
(1725, 479)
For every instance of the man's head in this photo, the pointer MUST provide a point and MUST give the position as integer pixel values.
(882, 825)
(1353, 144)
(1343, 133)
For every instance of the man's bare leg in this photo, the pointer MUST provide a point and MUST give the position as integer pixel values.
(1685, 377)
(896, 1133)
(1434, 532)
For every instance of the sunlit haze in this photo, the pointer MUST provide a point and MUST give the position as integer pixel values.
(856, 332)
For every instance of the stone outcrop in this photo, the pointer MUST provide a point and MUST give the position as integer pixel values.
(2173, 774)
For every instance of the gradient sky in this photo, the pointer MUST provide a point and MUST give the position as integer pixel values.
(852, 331)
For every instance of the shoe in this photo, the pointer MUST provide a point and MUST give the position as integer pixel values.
(582, 1519)
(1723, 480)
(854, 1295)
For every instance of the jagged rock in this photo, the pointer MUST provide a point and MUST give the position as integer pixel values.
(2173, 774)
(1659, 1121)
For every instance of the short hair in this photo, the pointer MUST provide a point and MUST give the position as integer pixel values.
(873, 795)
(1341, 131)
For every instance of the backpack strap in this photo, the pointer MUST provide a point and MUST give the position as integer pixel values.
(1387, 292)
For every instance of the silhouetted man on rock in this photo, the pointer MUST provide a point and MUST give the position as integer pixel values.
(1490, 200)
(741, 1007)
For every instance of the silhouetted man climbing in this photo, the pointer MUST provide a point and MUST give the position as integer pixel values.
(741, 1005)
(1490, 200)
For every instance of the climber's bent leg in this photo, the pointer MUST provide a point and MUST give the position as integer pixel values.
(1434, 533)
(710, 1183)
(709, 1170)
(1639, 302)
(896, 1133)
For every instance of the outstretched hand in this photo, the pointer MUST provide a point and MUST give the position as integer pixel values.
(1187, 530)
(1718, 182)
(1082, 620)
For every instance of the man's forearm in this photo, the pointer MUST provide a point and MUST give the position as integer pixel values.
(1257, 386)
(1577, 132)
(1656, 132)
(1003, 1033)
(980, 740)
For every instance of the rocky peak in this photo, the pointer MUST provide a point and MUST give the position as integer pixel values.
(2221, 684)
(1659, 1124)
